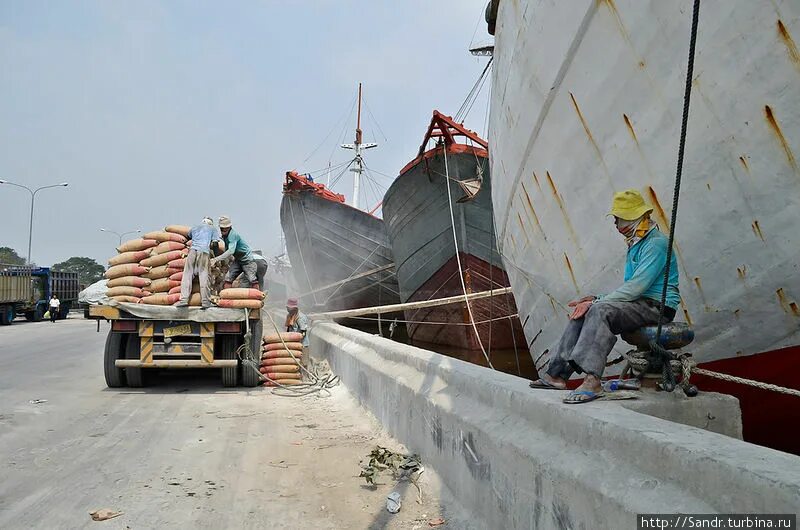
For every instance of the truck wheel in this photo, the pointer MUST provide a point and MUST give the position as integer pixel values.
(34, 316)
(225, 348)
(7, 315)
(136, 376)
(115, 349)
(250, 376)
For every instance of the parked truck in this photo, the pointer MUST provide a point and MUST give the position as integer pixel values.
(26, 291)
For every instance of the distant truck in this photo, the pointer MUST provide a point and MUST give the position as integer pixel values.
(26, 291)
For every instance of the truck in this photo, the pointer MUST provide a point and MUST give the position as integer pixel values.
(16, 291)
(143, 339)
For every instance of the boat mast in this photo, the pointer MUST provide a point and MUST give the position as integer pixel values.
(358, 146)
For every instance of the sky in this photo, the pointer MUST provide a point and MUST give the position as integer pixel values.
(162, 113)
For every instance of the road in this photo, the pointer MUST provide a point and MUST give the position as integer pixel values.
(185, 452)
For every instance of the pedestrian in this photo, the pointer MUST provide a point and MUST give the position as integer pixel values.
(198, 262)
(596, 320)
(55, 305)
(243, 262)
(296, 320)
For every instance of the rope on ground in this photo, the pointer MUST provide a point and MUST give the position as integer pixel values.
(458, 260)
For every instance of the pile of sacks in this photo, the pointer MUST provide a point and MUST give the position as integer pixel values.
(149, 270)
(280, 357)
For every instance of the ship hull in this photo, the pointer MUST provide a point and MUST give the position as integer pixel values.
(330, 242)
(420, 230)
(587, 100)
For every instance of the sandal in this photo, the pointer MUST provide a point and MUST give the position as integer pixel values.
(544, 384)
(582, 396)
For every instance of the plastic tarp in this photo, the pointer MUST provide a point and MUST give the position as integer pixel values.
(95, 293)
(168, 312)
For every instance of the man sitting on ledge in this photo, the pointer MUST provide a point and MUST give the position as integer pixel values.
(596, 320)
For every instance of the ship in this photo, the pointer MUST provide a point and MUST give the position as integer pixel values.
(340, 255)
(440, 255)
(586, 100)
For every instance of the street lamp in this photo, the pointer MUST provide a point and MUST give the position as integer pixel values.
(33, 198)
(120, 235)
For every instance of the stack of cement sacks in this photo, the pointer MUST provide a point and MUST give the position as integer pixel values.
(149, 270)
(280, 357)
(241, 298)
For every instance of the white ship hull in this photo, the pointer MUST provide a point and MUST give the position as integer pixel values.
(587, 99)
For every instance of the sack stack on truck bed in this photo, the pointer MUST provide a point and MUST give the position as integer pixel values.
(149, 270)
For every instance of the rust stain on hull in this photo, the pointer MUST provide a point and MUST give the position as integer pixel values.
(586, 128)
(533, 212)
(630, 128)
(794, 308)
(782, 299)
(686, 313)
(757, 229)
(571, 273)
(536, 180)
(522, 227)
(702, 294)
(776, 128)
(742, 272)
(745, 165)
(560, 202)
(791, 47)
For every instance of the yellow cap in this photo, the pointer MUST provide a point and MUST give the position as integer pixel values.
(629, 205)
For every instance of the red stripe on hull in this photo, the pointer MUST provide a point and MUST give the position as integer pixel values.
(769, 418)
(503, 334)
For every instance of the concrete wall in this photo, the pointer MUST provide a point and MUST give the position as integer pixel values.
(522, 459)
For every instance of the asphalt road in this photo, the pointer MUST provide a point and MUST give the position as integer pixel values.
(183, 453)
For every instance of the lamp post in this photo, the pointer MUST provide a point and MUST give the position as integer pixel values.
(120, 235)
(33, 198)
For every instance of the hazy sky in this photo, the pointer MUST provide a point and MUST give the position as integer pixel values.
(163, 112)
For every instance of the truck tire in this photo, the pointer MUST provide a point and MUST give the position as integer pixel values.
(7, 315)
(136, 376)
(115, 349)
(250, 376)
(34, 316)
(225, 348)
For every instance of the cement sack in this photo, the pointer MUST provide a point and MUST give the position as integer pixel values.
(129, 257)
(282, 368)
(137, 244)
(283, 382)
(240, 304)
(275, 354)
(177, 276)
(161, 299)
(168, 246)
(129, 299)
(241, 294)
(163, 235)
(127, 291)
(161, 259)
(179, 229)
(279, 361)
(159, 272)
(95, 293)
(177, 264)
(280, 346)
(279, 375)
(162, 285)
(129, 269)
(177, 289)
(129, 281)
(287, 336)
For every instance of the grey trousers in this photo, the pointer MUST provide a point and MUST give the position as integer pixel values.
(197, 264)
(586, 343)
(248, 269)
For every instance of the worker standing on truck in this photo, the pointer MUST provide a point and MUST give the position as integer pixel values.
(243, 262)
(198, 262)
(55, 305)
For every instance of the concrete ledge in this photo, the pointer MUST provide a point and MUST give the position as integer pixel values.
(522, 459)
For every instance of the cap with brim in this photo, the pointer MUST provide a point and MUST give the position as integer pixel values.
(224, 221)
(629, 205)
(291, 302)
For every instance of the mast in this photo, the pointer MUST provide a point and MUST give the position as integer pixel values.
(358, 146)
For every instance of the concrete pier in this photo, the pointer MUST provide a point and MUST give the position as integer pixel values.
(520, 458)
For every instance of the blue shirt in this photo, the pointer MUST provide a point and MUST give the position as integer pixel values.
(234, 244)
(644, 272)
(202, 235)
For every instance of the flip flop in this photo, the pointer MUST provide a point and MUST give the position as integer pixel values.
(543, 384)
(582, 396)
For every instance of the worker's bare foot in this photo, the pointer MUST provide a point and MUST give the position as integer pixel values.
(591, 383)
(549, 382)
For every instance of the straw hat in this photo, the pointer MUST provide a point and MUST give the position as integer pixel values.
(224, 221)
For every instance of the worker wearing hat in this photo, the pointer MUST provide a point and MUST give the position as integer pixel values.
(296, 320)
(197, 262)
(596, 320)
(243, 262)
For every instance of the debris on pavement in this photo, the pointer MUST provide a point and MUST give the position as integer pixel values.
(393, 502)
(104, 514)
(439, 521)
(402, 467)
(37, 401)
